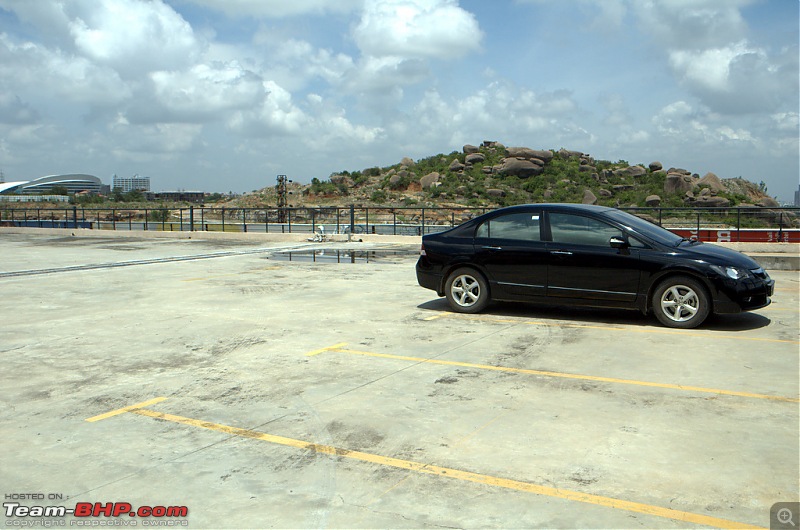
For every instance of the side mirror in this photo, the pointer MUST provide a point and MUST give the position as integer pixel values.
(617, 242)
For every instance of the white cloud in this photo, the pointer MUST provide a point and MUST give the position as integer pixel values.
(736, 79)
(206, 92)
(31, 69)
(275, 115)
(15, 111)
(133, 37)
(277, 8)
(151, 141)
(417, 29)
(692, 24)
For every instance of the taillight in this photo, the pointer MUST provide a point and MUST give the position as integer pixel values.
(422, 250)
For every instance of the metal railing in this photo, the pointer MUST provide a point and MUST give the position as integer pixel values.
(735, 224)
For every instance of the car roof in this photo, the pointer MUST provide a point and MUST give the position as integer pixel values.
(560, 206)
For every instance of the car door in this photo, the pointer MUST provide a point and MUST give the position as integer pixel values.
(582, 263)
(510, 249)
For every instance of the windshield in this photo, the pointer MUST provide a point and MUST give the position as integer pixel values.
(645, 228)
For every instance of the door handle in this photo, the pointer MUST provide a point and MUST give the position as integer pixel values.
(561, 252)
(492, 248)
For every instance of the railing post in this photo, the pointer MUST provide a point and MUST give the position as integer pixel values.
(244, 220)
(146, 219)
(289, 220)
(223, 218)
(113, 219)
(352, 221)
(738, 224)
(698, 226)
(191, 218)
(423, 221)
(394, 222)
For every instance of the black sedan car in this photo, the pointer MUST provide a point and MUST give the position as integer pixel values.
(574, 254)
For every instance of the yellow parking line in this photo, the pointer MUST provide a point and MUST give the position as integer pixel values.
(323, 350)
(126, 409)
(456, 474)
(679, 333)
(685, 388)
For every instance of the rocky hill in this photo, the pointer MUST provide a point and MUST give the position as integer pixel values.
(493, 175)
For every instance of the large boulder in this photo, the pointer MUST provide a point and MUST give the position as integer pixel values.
(652, 200)
(678, 183)
(631, 171)
(524, 152)
(768, 202)
(342, 180)
(456, 166)
(565, 153)
(429, 180)
(407, 162)
(589, 197)
(474, 158)
(709, 201)
(655, 166)
(712, 182)
(495, 193)
(520, 167)
(468, 149)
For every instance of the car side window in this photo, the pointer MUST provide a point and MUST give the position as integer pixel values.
(515, 226)
(580, 230)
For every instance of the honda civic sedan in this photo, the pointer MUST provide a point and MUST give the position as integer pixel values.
(582, 255)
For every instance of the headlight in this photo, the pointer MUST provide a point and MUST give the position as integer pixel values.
(734, 273)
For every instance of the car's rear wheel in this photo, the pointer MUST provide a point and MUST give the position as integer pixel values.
(681, 302)
(466, 291)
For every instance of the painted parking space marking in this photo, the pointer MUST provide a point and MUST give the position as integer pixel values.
(632, 329)
(339, 348)
(126, 409)
(430, 469)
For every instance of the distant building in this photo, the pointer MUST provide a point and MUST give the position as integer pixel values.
(73, 183)
(134, 183)
(797, 197)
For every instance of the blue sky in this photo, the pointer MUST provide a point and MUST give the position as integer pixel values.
(223, 95)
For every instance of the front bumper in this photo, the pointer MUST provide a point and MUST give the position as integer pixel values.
(744, 295)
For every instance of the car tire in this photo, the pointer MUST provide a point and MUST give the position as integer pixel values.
(681, 302)
(467, 291)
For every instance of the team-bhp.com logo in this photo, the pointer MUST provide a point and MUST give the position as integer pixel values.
(87, 511)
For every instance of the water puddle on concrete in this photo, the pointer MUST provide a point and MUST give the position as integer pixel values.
(342, 256)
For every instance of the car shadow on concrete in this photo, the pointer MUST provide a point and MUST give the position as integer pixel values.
(594, 316)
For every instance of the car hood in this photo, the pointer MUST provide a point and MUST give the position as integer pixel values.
(717, 255)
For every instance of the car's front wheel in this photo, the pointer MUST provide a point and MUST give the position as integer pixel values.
(466, 291)
(681, 302)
